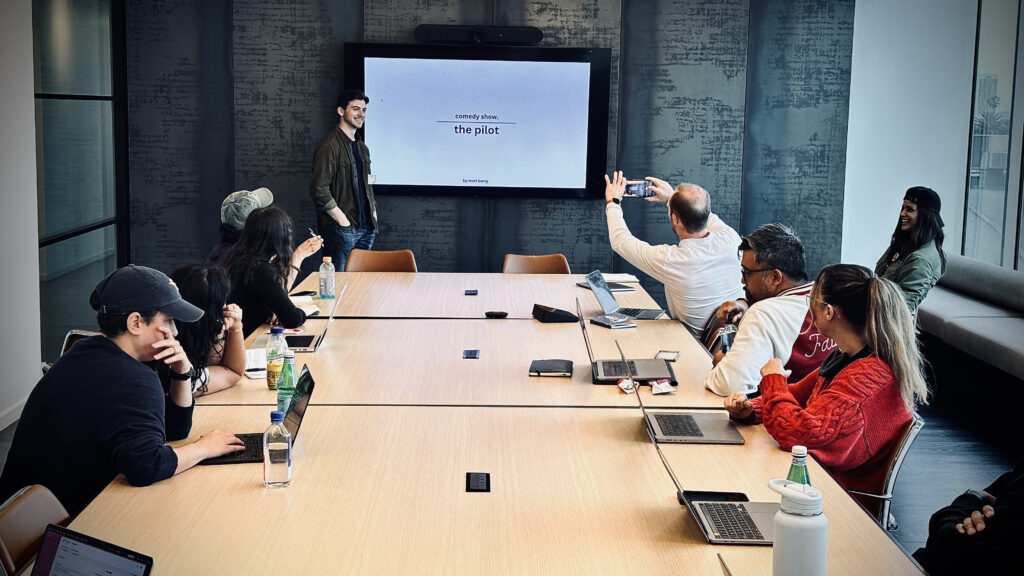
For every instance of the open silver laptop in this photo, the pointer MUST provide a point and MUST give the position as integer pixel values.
(692, 427)
(728, 518)
(611, 371)
(305, 342)
(253, 441)
(611, 306)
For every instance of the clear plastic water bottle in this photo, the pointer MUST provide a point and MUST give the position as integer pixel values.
(799, 532)
(798, 469)
(277, 453)
(276, 347)
(727, 333)
(326, 279)
(286, 383)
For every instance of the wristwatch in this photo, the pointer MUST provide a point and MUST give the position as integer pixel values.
(182, 377)
(616, 200)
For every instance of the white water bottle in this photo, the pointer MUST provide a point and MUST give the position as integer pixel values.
(800, 539)
(326, 279)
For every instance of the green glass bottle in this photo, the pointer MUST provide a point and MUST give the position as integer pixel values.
(798, 469)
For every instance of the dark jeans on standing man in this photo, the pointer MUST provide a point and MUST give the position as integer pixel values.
(340, 240)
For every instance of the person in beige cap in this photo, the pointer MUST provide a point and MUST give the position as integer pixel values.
(233, 212)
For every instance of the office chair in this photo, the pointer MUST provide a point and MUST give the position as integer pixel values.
(882, 515)
(380, 261)
(546, 264)
(72, 336)
(23, 519)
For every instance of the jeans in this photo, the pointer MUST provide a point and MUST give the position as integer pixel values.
(339, 241)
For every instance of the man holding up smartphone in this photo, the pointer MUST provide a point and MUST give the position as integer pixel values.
(702, 270)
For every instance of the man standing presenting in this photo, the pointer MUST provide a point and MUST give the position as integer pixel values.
(342, 187)
(701, 271)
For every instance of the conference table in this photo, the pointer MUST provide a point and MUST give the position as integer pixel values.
(398, 418)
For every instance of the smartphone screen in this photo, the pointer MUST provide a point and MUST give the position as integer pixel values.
(639, 188)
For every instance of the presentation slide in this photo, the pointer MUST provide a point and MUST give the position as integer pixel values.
(440, 122)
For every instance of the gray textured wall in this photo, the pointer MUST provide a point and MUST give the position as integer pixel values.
(179, 128)
(798, 100)
(236, 95)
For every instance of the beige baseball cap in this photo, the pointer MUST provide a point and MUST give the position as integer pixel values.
(237, 206)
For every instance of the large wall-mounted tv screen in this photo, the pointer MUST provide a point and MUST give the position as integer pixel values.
(482, 120)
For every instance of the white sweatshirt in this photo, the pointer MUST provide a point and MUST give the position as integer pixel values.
(699, 274)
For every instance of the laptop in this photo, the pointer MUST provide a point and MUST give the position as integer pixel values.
(611, 306)
(728, 518)
(692, 427)
(292, 420)
(613, 286)
(611, 371)
(64, 551)
(305, 342)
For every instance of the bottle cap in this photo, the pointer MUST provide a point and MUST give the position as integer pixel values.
(797, 498)
(277, 330)
(289, 354)
(327, 258)
(277, 416)
(800, 451)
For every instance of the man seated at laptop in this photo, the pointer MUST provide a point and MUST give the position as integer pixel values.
(701, 271)
(774, 321)
(100, 410)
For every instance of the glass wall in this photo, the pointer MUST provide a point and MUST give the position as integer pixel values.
(77, 161)
(991, 216)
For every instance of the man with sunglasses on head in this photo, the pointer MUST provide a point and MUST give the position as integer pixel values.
(773, 320)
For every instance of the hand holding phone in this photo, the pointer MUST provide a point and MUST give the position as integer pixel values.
(639, 188)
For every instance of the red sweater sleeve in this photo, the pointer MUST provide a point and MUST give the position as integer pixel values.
(827, 415)
(801, 391)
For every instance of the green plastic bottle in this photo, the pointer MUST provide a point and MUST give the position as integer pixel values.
(798, 469)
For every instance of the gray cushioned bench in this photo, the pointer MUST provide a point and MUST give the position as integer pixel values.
(978, 308)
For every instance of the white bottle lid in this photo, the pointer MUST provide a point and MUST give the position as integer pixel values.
(799, 450)
(797, 498)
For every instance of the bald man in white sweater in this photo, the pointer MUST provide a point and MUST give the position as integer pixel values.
(701, 271)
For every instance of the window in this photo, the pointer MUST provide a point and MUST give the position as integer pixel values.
(992, 208)
(79, 88)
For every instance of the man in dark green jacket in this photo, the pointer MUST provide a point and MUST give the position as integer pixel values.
(342, 187)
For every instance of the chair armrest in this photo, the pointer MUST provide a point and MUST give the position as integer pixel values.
(870, 495)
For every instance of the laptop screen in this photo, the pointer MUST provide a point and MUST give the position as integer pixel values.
(601, 291)
(299, 402)
(65, 551)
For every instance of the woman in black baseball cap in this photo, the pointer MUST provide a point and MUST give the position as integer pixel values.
(915, 260)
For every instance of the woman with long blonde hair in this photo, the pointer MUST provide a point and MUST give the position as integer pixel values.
(852, 411)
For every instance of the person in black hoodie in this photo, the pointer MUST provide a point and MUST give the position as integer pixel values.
(980, 531)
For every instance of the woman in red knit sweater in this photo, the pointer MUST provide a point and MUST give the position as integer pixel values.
(851, 412)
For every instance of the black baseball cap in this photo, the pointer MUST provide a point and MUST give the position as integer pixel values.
(139, 289)
(927, 199)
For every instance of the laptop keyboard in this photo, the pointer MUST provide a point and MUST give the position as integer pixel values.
(729, 520)
(619, 369)
(678, 425)
(640, 313)
(253, 451)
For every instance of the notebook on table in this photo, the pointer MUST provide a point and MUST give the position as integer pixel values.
(253, 451)
(305, 342)
(611, 371)
(611, 306)
(64, 551)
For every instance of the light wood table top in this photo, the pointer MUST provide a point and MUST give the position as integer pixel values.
(419, 362)
(381, 490)
(856, 544)
(442, 294)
